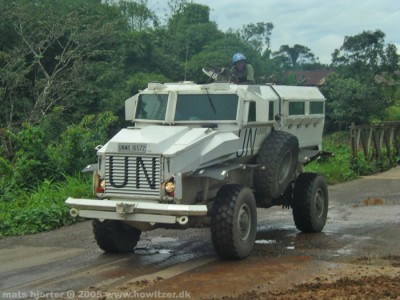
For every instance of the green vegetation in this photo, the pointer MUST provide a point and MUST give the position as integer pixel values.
(338, 168)
(42, 208)
(43, 174)
(66, 68)
(342, 167)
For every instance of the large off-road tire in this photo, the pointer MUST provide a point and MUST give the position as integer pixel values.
(278, 153)
(115, 236)
(310, 202)
(234, 222)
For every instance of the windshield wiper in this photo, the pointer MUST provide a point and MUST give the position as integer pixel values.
(211, 102)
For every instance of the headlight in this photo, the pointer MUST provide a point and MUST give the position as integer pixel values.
(102, 186)
(170, 187)
(99, 184)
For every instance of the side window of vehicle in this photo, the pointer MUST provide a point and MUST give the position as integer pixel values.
(296, 108)
(252, 112)
(316, 107)
(271, 111)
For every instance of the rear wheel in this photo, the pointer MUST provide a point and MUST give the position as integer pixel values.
(114, 236)
(234, 222)
(310, 202)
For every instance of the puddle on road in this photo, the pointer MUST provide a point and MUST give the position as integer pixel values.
(155, 245)
(164, 251)
(266, 242)
(344, 251)
(152, 251)
(161, 239)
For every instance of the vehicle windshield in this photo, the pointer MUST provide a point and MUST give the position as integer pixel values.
(152, 106)
(206, 107)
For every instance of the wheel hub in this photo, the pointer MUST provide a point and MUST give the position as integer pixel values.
(319, 202)
(244, 222)
(284, 167)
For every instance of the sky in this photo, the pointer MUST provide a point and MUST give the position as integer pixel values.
(320, 25)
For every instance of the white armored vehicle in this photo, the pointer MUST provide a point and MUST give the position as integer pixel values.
(209, 155)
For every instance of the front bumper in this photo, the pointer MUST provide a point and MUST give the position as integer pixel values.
(136, 211)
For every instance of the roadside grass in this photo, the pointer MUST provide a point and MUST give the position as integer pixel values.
(42, 208)
(338, 168)
(342, 167)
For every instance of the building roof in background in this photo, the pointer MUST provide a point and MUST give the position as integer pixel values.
(311, 77)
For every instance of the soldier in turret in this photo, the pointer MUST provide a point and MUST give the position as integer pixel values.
(241, 71)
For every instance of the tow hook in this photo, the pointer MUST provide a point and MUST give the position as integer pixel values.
(182, 220)
(73, 212)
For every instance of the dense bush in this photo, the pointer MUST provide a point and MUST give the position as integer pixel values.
(342, 166)
(337, 168)
(36, 160)
(76, 148)
(42, 208)
(39, 178)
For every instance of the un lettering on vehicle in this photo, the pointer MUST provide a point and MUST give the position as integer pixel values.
(248, 141)
(133, 173)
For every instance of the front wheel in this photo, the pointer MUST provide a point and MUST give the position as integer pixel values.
(310, 202)
(115, 236)
(234, 222)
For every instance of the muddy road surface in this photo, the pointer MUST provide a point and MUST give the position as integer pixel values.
(357, 256)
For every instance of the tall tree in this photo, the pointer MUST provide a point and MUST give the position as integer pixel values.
(257, 35)
(366, 48)
(138, 15)
(188, 31)
(349, 100)
(295, 56)
(362, 88)
(55, 43)
(363, 55)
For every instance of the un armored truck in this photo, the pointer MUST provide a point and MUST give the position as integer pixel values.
(208, 155)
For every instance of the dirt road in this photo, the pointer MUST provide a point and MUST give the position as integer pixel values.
(357, 256)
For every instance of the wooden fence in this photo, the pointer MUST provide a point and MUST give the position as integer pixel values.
(372, 139)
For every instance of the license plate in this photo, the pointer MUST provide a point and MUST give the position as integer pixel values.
(132, 148)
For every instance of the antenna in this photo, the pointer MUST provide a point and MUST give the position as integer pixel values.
(187, 53)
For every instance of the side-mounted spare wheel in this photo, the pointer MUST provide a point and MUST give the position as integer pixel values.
(310, 202)
(234, 222)
(278, 153)
(115, 236)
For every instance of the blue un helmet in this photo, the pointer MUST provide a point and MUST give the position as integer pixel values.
(237, 57)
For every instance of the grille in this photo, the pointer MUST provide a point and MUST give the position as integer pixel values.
(133, 175)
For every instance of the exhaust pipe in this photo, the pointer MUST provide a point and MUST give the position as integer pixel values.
(182, 220)
(74, 212)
